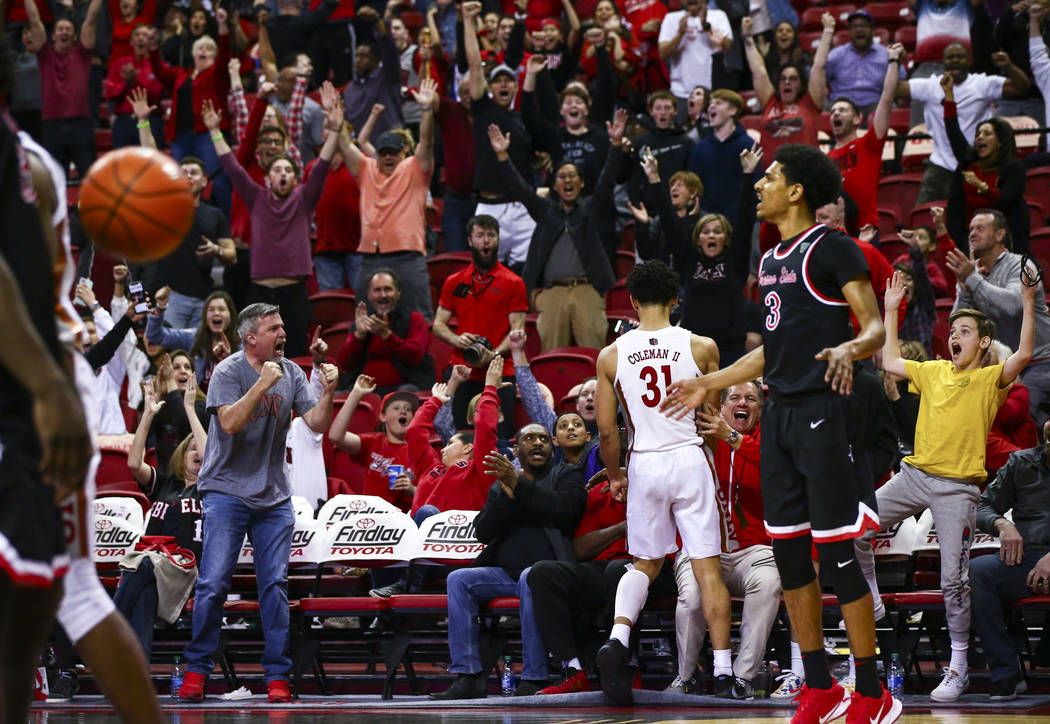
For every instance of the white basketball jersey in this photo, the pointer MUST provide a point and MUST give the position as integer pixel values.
(647, 362)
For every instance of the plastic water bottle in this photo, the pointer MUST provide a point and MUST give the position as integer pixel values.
(895, 679)
(178, 671)
(507, 678)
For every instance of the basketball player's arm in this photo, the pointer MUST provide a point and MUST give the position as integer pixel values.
(865, 308)
(37, 33)
(606, 406)
(1016, 362)
(705, 353)
(686, 395)
(57, 412)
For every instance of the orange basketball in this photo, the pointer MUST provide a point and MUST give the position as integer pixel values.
(136, 203)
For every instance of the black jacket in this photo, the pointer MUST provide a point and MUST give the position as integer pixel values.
(1024, 485)
(590, 225)
(537, 524)
(672, 148)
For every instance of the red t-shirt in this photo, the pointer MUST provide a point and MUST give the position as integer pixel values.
(64, 81)
(792, 123)
(639, 12)
(121, 35)
(457, 131)
(482, 305)
(338, 213)
(375, 455)
(740, 489)
(861, 163)
(602, 512)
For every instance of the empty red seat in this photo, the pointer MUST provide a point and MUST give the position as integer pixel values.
(563, 369)
(332, 307)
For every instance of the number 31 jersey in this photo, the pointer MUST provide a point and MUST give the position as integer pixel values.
(800, 284)
(647, 362)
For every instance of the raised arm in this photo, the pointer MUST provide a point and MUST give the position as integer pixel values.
(426, 96)
(759, 75)
(518, 188)
(151, 405)
(364, 133)
(212, 118)
(88, 29)
(333, 123)
(1017, 82)
(818, 85)
(1016, 362)
(880, 120)
(37, 32)
(574, 23)
(351, 154)
(471, 10)
(141, 108)
(891, 353)
(189, 403)
(339, 433)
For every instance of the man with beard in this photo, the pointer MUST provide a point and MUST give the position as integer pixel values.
(489, 301)
(243, 487)
(388, 342)
(528, 517)
(281, 216)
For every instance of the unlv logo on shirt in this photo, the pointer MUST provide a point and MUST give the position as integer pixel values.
(270, 404)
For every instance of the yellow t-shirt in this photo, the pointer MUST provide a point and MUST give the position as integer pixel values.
(956, 412)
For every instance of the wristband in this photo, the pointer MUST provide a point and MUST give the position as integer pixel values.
(894, 60)
(143, 124)
(216, 137)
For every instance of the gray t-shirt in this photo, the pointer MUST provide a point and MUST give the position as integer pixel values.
(250, 464)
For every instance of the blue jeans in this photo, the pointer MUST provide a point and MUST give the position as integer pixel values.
(336, 270)
(454, 216)
(993, 585)
(226, 520)
(183, 312)
(136, 598)
(468, 588)
(188, 143)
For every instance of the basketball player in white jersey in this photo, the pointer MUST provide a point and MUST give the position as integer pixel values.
(672, 482)
(86, 612)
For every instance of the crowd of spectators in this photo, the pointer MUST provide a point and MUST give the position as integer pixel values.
(340, 145)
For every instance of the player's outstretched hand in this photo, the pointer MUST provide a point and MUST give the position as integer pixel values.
(683, 397)
(840, 367)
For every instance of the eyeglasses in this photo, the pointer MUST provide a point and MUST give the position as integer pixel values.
(271, 141)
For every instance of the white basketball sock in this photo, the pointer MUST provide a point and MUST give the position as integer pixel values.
(958, 663)
(796, 661)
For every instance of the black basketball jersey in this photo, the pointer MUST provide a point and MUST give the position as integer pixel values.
(23, 247)
(800, 284)
(176, 511)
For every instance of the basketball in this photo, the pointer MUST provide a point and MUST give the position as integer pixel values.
(136, 204)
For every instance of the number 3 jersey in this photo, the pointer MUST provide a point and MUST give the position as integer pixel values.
(647, 362)
(800, 284)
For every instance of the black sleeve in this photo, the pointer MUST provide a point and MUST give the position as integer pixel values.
(679, 239)
(536, 121)
(515, 45)
(603, 91)
(315, 18)
(570, 59)
(461, 54)
(960, 146)
(173, 403)
(742, 226)
(103, 350)
(840, 262)
(496, 515)
(562, 506)
(647, 240)
(1012, 182)
(520, 190)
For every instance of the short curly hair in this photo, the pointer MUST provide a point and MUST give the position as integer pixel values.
(819, 176)
(653, 282)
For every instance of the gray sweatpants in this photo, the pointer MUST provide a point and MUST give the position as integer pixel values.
(954, 506)
(749, 572)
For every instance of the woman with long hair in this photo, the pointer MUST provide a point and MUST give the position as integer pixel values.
(209, 344)
(989, 174)
(784, 48)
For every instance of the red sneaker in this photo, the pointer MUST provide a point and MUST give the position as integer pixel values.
(819, 706)
(280, 692)
(192, 688)
(873, 709)
(574, 681)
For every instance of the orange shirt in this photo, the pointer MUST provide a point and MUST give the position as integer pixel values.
(393, 208)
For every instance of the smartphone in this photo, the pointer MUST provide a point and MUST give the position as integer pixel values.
(138, 297)
(90, 285)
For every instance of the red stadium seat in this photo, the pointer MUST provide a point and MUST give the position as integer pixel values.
(889, 217)
(1039, 246)
(442, 266)
(562, 369)
(618, 301)
(623, 263)
(920, 215)
(889, 15)
(627, 237)
(332, 307)
(335, 336)
(1038, 186)
(905, 35)
(900, 119)
(900, 190)
(113, 468)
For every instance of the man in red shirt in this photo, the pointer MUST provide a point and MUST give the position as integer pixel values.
(488, 301)
(860, 158)
(65, 68)
(125, 74)
(376, 451)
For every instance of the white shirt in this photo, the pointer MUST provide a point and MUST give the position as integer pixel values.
(974, 98)
(647, 362)
(304, 456)
(1041, 71)
(690, 66)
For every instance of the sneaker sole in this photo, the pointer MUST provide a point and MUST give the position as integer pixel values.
(618, 691)
(947, 699)
(893, 714)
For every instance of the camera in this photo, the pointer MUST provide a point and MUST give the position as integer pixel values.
(475, 353)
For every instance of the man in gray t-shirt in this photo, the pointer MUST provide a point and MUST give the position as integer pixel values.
(251, 397)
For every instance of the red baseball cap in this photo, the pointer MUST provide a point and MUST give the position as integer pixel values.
(409, 397)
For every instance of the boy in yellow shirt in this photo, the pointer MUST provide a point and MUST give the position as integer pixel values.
(959, 401)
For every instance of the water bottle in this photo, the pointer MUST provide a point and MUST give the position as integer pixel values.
(762, 681)
(896, 677)
(507, 679)
(178, 671)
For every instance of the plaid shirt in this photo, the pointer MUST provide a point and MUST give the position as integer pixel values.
(293, 121)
